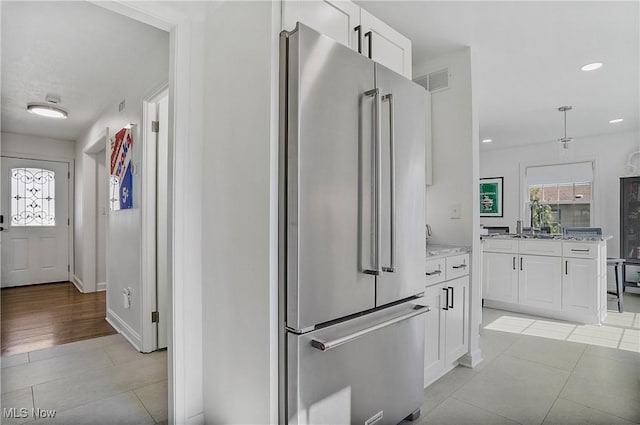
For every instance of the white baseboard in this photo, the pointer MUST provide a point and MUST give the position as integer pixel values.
(124, 329)
(101, 286)
(77, 282)
(196, 419)
(471, 359)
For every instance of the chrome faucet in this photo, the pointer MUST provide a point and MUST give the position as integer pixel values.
(535, 206)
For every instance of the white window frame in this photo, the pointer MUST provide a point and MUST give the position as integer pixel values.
(524, 203)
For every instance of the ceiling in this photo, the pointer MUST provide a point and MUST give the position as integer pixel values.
(527, 58)
(83, 53)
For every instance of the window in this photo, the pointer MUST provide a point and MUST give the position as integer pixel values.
(33, 197)
(564, 195)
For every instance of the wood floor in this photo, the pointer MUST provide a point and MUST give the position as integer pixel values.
(41, 316)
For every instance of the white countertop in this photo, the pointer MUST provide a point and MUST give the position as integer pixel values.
(439, 251)
(545, 237)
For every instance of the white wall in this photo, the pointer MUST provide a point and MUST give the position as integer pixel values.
(455, 153)
(239, 202)
(37, 147)
(101, 220)
(610, 153)
(124, 227)
(452, 136)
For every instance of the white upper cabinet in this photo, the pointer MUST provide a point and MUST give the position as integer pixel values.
(336, 19)
(388, 46)
(340, 20)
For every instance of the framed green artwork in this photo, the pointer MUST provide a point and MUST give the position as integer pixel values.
(491, 192)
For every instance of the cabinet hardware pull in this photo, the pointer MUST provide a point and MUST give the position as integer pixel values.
(369, 35)
(514, 262)
(521, 264)
(451, 305)
(446, 302)
(433, 272)
(358, 29)
(579, 250)
(566, 267)
(461, 266)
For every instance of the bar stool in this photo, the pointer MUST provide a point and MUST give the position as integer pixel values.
(618, 267)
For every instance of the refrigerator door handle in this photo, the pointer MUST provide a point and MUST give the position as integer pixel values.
(329, 345)
(377, 182)
(392, 183)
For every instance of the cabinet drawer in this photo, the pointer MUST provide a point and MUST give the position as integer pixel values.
(579, 250)
(552, 248)
(435, 271)
(457, 266)
(501, 245)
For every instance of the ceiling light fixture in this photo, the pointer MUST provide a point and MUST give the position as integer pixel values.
(48, 109)
(592, 66)
(565, 140)
(617, 120)
(487, 140)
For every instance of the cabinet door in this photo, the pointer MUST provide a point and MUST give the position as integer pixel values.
(500, 277)
(579, 285)
(335, 19)
(389, 47)
(433, 333)
(457, 319)
(540, 281)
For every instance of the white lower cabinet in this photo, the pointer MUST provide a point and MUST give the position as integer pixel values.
(457, 320)
(540, 281)
(579, 284)
(446, 326)
(433, 328)
(500, 277)
(563, 280)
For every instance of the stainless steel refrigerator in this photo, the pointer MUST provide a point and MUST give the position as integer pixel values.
(352, 236)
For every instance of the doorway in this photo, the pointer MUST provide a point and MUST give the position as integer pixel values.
(35, 201)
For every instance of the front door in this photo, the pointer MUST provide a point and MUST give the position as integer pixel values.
(35, 211)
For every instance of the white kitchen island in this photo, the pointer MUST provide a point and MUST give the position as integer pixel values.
(557, 278)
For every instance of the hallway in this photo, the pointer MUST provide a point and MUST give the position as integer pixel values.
(97, 381)
(36, 317)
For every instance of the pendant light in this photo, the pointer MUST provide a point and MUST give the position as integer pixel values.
(565, 140)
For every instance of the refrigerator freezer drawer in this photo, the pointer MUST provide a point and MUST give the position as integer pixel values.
(364, 371)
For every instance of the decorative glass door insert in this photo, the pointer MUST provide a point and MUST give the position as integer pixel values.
(33, 193)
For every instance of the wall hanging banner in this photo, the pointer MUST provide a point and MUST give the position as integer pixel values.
(120, 170)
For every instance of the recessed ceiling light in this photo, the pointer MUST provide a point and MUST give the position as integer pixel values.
(487, 140)
(591, 66)
(46, 110)
(617, 120)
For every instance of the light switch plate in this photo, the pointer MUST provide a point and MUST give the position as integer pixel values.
(454, 210)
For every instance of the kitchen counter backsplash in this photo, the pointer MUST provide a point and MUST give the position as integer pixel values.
(438, 251)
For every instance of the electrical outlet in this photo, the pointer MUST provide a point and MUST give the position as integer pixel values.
(126, 297)
(454, 210)
(122, 105)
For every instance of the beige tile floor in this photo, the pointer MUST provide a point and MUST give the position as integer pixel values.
(535, 371)
(542, 371)
(97, 381)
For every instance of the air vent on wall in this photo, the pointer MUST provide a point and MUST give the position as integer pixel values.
(435, 81)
